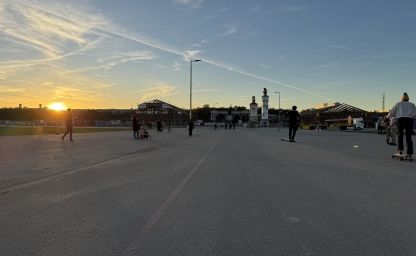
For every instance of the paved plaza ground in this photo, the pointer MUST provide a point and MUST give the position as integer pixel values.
(224, 192)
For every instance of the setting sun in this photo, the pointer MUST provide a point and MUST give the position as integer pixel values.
(57, 106)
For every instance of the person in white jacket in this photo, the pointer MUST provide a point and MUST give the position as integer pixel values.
(404, 111)
(391, 130)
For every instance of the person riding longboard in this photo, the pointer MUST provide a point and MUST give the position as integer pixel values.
(293, 122)
(404, 111)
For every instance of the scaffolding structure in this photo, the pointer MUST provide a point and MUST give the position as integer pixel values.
(154, 110)
(338, 114)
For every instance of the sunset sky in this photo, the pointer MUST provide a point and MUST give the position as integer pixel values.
(101, 54)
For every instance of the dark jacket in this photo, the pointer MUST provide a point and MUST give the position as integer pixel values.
(293, 117)
(191, 125)
(68, 118)
(136, 126)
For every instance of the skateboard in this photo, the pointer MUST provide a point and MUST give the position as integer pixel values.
(284, 139)
(402, 157)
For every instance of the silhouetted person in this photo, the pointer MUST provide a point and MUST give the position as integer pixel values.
(68, 124)
(404, 111)
(136, 128)
(293, 122)
(190, 127)
(159, 126)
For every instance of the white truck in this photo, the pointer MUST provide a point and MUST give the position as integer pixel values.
(358, 123)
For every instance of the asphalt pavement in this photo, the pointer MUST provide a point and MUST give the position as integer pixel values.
(224, 192)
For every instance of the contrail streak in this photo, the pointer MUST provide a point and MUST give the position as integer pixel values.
(75, 21)
(173, 51)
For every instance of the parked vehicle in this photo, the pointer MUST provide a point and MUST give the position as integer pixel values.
(358, 123)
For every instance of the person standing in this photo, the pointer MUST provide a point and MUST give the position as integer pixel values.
(68, 124)
(159, 126)
(391, 129)
(379, 125)
(404, 111)
(169, 126)
(293, 122)
(190, 127)
(136, 128)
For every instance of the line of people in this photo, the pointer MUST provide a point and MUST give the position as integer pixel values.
(139, 128)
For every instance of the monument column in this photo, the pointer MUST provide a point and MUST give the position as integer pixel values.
(253, 110)
(265, 109)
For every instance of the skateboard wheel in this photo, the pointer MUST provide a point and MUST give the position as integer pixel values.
(392, 156)
(401, 158)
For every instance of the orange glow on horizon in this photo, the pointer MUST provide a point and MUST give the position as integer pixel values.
(57, 106)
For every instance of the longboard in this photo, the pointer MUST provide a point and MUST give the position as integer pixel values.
(284, 139)
(402, 157)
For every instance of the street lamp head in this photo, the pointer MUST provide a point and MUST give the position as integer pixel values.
(276, 92)
(195, 60)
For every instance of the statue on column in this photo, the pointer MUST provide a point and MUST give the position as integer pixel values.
(253, 98)
(265, 91)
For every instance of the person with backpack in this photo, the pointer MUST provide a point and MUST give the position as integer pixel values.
(293, 122)
(404, 111)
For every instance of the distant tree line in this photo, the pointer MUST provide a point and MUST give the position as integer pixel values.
(91, 115)
(29, 115)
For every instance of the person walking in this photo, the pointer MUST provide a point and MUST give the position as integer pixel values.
(404, 111)
(68, 124)
(169, 126)
(190, 127)
(136, 128)
(293, 122)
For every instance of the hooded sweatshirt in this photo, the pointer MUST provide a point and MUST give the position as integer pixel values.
(404, 109)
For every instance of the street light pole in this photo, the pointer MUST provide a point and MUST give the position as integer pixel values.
(215, 112)
(190, 90)
(279, 109)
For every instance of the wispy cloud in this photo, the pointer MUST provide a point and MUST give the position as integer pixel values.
(177, 66)
(207, 90)
(300, 8)
(193, 4)
(45, 31)
(113, 60)
(97, 23)
(231, 30)
(329, 65)
(217, 13)
(157, 88)
(253, 33)
(191, 54)
(342, 47)
(263, 65)
(256, 9)
(44, 36)
(6, 89)
(209, 17)
(200, 44)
